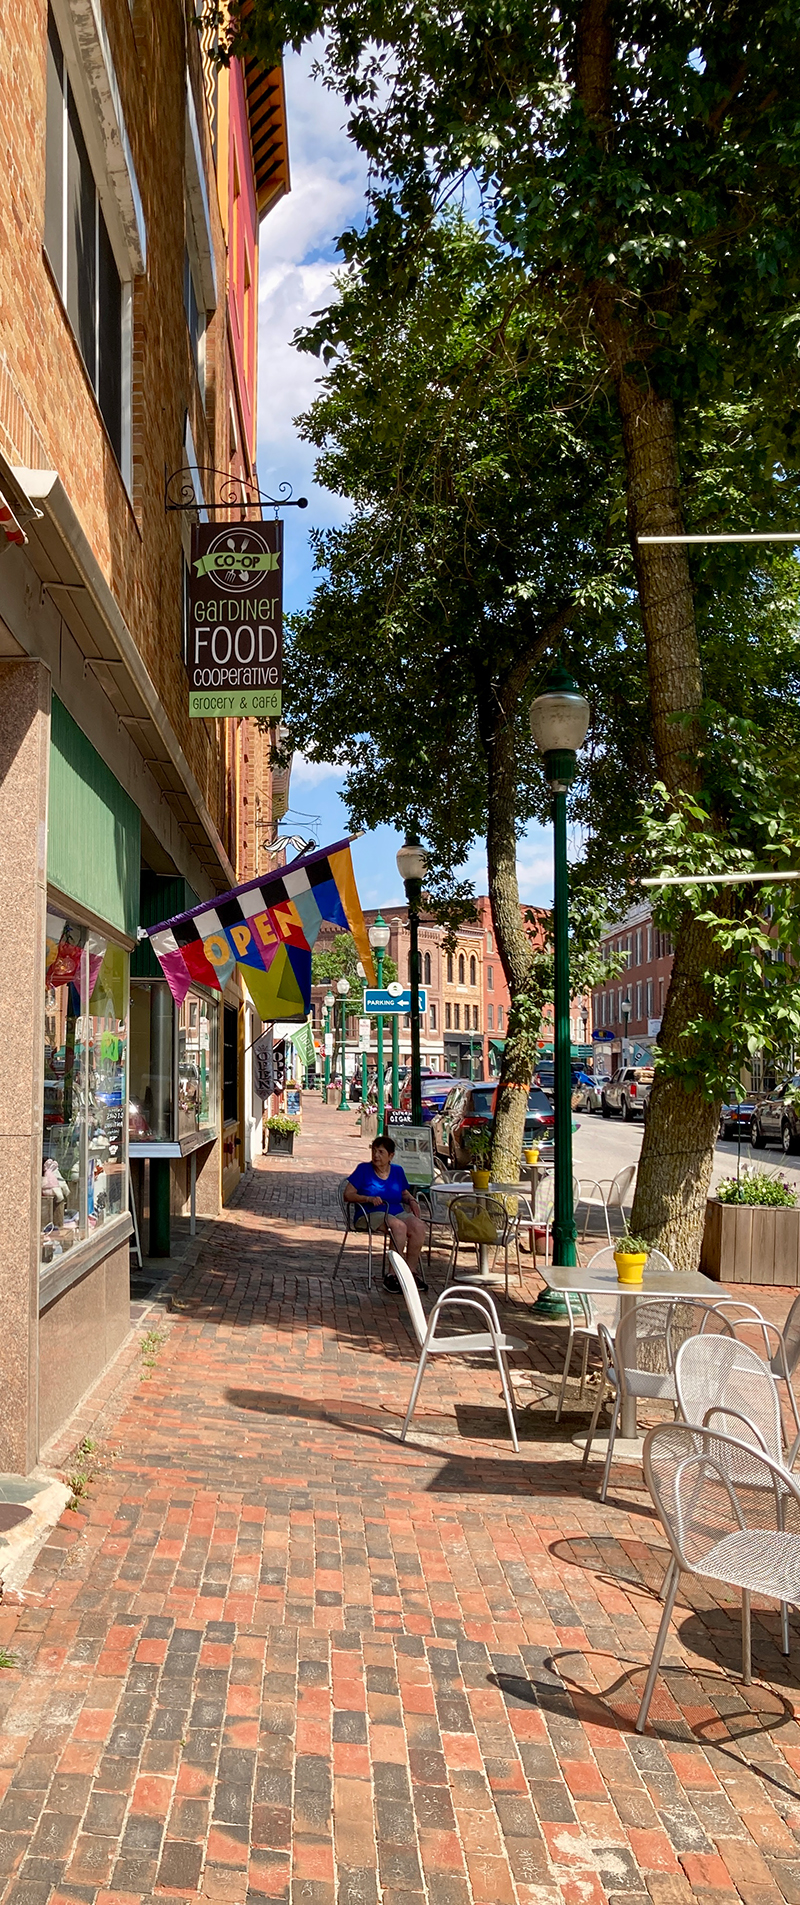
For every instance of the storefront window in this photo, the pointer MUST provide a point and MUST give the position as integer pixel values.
(198, 1022)
(84, 1163)
(155, 1024)
(152, 1034)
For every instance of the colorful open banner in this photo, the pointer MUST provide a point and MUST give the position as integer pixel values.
(266, 931)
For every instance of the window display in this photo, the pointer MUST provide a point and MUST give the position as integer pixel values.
(156, 1023)
(198, 1021)
(84, 1161)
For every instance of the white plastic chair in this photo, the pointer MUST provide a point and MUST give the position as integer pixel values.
(607, 1194)
(351, 1213)
(487, 1342)
(718, 1529)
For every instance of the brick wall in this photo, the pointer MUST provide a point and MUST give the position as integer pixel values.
(138, 545)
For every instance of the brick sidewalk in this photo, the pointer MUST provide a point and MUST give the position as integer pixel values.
(278, 1655)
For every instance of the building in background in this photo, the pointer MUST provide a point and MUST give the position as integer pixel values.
(643, 983)
(497, 1001)
(136, 176)
(462, 998)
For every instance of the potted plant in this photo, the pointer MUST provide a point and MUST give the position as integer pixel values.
(630, 1257)
(479, 1146)
(752, 1230)
(282, 1134)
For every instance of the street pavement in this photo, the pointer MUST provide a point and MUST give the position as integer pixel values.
(273, 1654)
(603, 1146)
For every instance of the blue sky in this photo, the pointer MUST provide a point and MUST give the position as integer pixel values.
(298, 259)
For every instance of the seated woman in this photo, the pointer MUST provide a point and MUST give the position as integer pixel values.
(383, 1188)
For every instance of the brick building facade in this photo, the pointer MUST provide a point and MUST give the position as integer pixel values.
(136, 174)
(497, 1001)
(643, 982)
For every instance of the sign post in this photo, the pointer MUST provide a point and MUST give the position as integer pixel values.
(235, 620)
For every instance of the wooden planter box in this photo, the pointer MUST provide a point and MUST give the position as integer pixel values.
(281, 1141)
(751, 1243)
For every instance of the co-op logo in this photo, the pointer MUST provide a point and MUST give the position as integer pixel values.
(236, 558)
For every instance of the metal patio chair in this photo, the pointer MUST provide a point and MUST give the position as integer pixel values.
(721, 1382)
(466, 1211)
(718, 1528)
(607, 1194)
(639, 1359)
(490, 1341)
(585, 1314)
(724, 1386)
(781, 1346)
(350, 1215)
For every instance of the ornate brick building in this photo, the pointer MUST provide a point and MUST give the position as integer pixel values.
(135, 177)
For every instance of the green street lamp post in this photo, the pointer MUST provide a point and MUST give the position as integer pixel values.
(364, 1082)
(411, 864)
(559, 722)
(395, 1060)
(329, 1003)
(343, 987)
(379, 936)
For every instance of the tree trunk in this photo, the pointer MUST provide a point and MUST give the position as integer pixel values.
(677, 1152)
(678, 1146)
(514, 947)
(681, 1128)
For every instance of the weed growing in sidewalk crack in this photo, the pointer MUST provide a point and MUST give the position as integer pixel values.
(151, 1344)
(7, 1659)
(83, 1473)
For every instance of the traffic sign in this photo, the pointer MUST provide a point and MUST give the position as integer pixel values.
(382, 1002)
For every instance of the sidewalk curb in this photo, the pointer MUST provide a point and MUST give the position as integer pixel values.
(43, 1498)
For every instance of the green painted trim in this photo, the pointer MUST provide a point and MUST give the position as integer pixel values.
(160, 898)
(93, 828)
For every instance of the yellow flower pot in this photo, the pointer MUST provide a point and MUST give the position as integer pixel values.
(630, 1269)
(532, 1155)
(481, 1180)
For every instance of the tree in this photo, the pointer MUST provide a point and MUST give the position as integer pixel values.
(479, 529)
(641, 163)
(340, 960)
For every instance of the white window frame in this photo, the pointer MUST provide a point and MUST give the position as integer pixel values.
(90, 70)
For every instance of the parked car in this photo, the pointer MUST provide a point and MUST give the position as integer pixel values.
(627, 1091)
(736, 1116)
(593, 1093)
(545, 1077)
(436, 1087)
(777, 1119)
(471, 1108)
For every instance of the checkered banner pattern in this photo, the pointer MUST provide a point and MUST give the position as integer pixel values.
(266, 931)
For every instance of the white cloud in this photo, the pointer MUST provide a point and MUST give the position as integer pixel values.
(312, 773)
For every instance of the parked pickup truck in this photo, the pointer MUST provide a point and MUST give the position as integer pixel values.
(627, 1091)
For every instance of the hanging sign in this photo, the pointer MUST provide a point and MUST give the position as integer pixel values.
(235, 620)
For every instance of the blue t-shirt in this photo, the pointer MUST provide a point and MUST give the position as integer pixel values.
(366, 1180)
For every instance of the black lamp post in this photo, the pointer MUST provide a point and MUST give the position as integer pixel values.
(559, 721)
(411, 864)
(625, 1009)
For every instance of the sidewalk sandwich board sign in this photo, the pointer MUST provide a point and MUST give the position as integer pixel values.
(234, 613)
(413, 1151)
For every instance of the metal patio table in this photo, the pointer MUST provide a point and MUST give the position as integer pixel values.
(604, 1282)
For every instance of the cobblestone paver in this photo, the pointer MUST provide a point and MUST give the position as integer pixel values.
(275, 1655)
